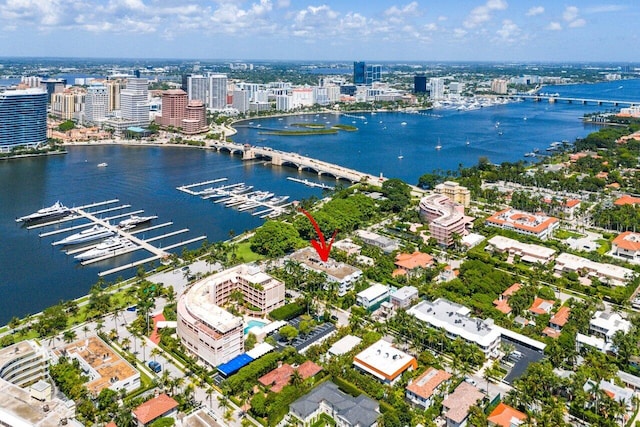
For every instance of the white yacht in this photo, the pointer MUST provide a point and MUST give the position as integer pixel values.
(134, 220)
(109, 247)
(103, 165)
(57, 210)
(96, 232)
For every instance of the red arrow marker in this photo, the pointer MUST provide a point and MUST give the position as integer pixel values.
(321, 247)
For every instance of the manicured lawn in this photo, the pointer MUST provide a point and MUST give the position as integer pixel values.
(244, 252)
(565, 234)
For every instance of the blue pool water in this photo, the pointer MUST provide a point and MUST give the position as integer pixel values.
(253, 323)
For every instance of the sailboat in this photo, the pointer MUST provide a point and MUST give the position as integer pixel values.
(400, 156)
(439, 146)
(467, 143)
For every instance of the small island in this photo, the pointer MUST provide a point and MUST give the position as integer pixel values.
(311, 129)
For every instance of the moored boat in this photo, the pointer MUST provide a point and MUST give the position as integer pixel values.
(108, 247)
(57, 210)
(134, 220)
(96, 232)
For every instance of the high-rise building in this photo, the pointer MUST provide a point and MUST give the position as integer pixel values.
(437, 87)
(96, 103)
(113, 90)
(241, 100)
(23, 118)
(283, 102)
(195, 120)
(499, 86)
(134, 102)
(31, 81)
(359, 73)
(174, 104)
(53, 86)
(197, 88)
(373, 74)
(68, 104)
(419, 84)
(217, 99)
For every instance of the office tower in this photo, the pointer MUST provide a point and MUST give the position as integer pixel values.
(359, 73)
(241, 100)
(96, 103)
(174, 104)
(134, 102)
(184, 85)
(197, 88)
(53, 86)
(217, 91)
(437, 87)
(113, 91)
(419, 84)
(373, 73)
(136, 74)
(23, 118)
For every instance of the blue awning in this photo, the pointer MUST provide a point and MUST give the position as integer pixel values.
(235, 364)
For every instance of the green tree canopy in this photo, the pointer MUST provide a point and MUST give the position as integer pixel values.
(275, 239)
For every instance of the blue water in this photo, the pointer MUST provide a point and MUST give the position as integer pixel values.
(34, 275)
(251, 324)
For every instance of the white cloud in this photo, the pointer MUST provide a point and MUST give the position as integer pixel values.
(409, 9)
(483, 13)
(284, 3)
(605, 8)
(554, 26)
(442, 18)
(570, 13)
(578, 23)
(509, 31)
(536, 10)
(459, 33)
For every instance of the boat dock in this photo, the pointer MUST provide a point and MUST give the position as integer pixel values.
(311, 183)
(131, 236)
(241, 197)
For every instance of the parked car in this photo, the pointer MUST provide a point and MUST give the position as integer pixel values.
(155, 366)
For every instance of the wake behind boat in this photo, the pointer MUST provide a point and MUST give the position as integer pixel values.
(57, 210)
(129, 223)
(108, 247)
(96, 232)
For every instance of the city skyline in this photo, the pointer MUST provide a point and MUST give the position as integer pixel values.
(489, 30)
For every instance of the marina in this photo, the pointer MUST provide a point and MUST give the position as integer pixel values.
(311, 183)
(241, 197)
(105, 241)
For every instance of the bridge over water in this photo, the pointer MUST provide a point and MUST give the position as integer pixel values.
(551, 99)
(283, 158)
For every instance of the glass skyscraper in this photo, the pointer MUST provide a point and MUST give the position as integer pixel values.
(23, 118)
(359, 73)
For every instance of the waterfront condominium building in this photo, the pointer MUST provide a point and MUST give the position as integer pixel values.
(23, 363)
(499, 86)
(419, 84)
(217, 91)
(134, 102)
(206, 330)
(23, 118)
(195, 120)
(96, 103)
(444, 216)
(437, 87)
(241, 100)
(174, 105)
(197, 88)
(113, 89)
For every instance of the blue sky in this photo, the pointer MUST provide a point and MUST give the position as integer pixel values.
(433, 30)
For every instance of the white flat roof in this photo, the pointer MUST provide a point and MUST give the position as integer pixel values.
(574, 262)
(504, 243)
(344, 345)
(373, 292)
(405, 292)
(260, 350)
(382, 360)
(198, 301)
(454, 318)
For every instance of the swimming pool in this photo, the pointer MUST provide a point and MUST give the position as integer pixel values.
(253, 323)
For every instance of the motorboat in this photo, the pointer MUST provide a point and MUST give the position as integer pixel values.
(403, 124)
(103, 165)
(108, 247)
(97, 232)
(439, 146)
(134, 220)
(278, 199)
(57, 210)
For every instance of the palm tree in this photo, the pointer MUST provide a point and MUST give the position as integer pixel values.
(143, 344)
(69, 335)
(126, 342)
(296, 378)
(116, 314)
(209, 391)
(155, 352)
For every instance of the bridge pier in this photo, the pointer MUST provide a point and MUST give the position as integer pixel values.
(248, 154)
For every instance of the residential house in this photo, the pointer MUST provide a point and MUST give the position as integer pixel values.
(384, 362)
(158, 407)
(505, 416)
(502, 303)
(423, 389)
(456, 406)
(557, 322)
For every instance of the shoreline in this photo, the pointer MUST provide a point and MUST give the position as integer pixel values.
(27, 156)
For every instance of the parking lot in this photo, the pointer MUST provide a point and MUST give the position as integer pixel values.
(520, 363)
(303, 341)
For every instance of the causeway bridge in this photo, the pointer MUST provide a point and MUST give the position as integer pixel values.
(551, 99)
(283, 158)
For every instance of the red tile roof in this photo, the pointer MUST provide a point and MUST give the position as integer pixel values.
(279, 377)
(154, 408)
(414, 260)
(503, 414)
(512, 290)
(550, 332)
(522, 220)
(561, 317)
(308, 369)
(425, 384)
(502, 305)
(460, 401)
(627, 200)
(628, 240)
(541, 306)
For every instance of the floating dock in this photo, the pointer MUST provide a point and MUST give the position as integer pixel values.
(311, 183)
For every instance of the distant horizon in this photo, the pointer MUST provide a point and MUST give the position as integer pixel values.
(474, 30)
(328, 61)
